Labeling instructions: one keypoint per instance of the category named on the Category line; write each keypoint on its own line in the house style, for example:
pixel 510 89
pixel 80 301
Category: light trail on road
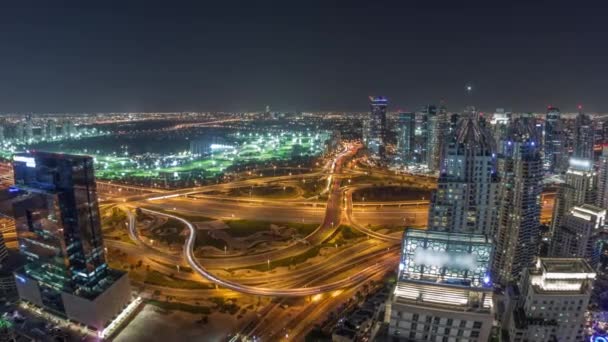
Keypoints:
pixel 262 291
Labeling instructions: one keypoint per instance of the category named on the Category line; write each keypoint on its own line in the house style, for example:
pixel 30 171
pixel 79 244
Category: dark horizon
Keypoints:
pixel 313 56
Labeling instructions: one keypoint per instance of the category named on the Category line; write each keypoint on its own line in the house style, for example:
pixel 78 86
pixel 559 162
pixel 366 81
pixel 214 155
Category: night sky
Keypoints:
pixel 300 55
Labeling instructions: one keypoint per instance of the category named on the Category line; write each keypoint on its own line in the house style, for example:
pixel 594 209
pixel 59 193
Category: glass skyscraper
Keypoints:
pixel 376 137
pixel 59 231
pixel 584 136
pixel 521 173
pixel 554 145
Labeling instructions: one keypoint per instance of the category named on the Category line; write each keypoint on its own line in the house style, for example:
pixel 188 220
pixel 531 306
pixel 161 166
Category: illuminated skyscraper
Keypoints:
pixel 576 235
pixel 59 231
pixel 584 136
pixel 555 153
pixel 500 125
pixel 551 301
pixel 466 196
pixel 431 138
pixel 579 188
pixel 443 291
pixel 376 139
pixel 405 139
pixel 521 173
pixel 601 199
pixel 1 134
pixel 443 130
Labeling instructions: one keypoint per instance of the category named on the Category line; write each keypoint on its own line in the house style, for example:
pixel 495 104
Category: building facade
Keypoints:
pixel 443 292
pixel 521 173
pixel 554 144
pixel 466 196
pixel 552 303
pixel 579 187
pixel 376 137
pixel 406 138
pixel 601 199
pixel 578 232
pixel 584 136
pixel 59 232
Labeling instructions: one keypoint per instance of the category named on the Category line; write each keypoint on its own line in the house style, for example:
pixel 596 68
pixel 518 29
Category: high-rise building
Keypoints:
pixel 551 301
pixel 377 127
pixel 601 199
pixel 59 232
pixel 466 196
pixel 406 139
pixel 431 138
pixel 555 153
pixel 576 235
pixel 521 172
pixel 500 124
pixel 443 130
pixel 579 188
pixel 443 291
pixel 1 134
pixel 584 136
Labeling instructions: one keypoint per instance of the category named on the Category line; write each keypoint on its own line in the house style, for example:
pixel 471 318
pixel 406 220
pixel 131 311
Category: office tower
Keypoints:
pixel 583 136
pixel 431 138
pixel 405 140
pixel 59 232
pixel 576 235
pixel 601 199
pixel 377 127
pixel 68 130
pixel 443 290
pixel 466 197
pixel 579 187
pixel 2 135
pixel 519 205
pixel 552 301
pixel 443 130
pixel 51 129
pixel 555 153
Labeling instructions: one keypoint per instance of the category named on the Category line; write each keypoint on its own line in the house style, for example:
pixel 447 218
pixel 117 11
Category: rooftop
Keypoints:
pixel 435 235
pixel 564 265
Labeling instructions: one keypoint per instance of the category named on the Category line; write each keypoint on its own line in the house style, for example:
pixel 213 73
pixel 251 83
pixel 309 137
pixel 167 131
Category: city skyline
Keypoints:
pixel 303 171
